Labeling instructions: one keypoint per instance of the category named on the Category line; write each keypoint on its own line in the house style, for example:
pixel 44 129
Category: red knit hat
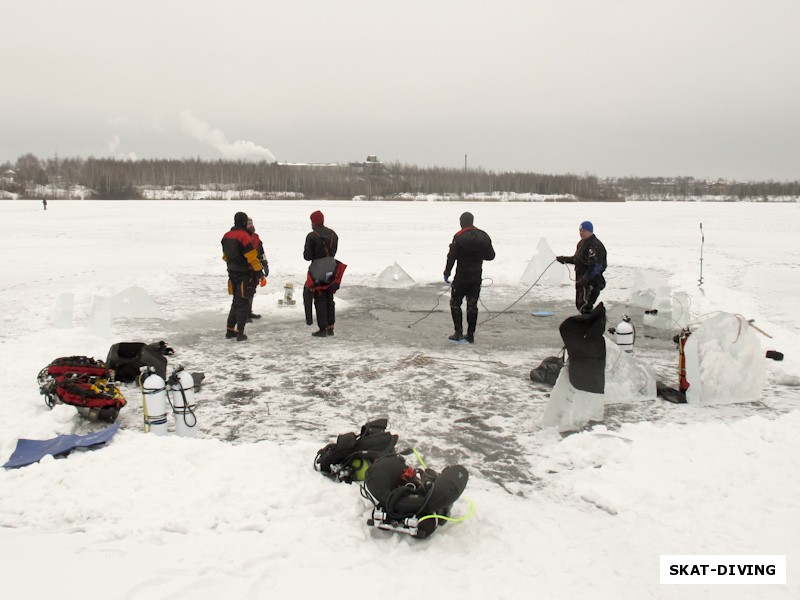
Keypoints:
pixel 317 218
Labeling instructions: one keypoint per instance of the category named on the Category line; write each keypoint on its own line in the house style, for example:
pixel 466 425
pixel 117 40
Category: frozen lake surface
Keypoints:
pixel 240 512
pixel 468 404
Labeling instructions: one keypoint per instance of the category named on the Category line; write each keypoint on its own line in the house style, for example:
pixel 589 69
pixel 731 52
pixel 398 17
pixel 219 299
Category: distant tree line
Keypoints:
pixel 112 178
pixel 676 188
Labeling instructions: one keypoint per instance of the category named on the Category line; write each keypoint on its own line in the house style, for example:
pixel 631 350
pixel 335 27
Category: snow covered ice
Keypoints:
pixel 239 512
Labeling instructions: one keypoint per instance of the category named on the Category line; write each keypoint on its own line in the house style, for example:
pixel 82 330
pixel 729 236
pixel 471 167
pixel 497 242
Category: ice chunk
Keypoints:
pixel 628 380
pixel 664 310
pixel 62 319
pixel 394 277
pixel 556 274
pixel 645 286
pixel 724 362
pixel 570 409
pixel 659 315
pixel 134 303
pixel 100 317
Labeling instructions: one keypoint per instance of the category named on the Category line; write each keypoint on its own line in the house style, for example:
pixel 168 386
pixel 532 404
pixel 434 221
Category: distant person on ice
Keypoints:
pixel 44 203
pixel 244 269
pixel 469 248
pixel 259 246
pixel 590 263
pixel 324 275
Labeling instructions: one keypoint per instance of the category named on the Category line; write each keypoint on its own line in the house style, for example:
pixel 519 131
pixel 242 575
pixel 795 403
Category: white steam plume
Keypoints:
pixel 240 149
pixel 113 144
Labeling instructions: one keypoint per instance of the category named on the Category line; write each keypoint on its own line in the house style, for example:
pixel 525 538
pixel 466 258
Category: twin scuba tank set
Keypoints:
pixel 178 392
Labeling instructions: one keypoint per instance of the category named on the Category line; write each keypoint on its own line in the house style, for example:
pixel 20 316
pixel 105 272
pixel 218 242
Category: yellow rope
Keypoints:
pixel 444 518
pixel 419 458
pixel 144 405
pixel 464 518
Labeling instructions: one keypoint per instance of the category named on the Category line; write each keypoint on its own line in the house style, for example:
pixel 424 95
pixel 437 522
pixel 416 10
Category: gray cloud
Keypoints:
pixel 616 88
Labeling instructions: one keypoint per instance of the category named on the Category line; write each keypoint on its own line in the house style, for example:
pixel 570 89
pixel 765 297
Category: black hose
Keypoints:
pixel 521 297
pixel 430 312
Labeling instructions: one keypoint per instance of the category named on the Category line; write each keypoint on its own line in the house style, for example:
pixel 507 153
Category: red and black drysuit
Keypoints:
pixel 321 242
pixel 590 262
pixel 469 248
pixel 259 246
pixel 244 272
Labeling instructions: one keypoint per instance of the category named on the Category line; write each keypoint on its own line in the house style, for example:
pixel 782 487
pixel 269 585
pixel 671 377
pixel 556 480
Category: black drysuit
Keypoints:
pixel 320 242
pixel 469 248
pixel 590 262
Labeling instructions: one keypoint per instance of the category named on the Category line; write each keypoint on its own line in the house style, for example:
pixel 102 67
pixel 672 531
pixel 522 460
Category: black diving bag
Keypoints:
pixel 322 270
pixel 548 370
pixel 126 359
pixel 351 455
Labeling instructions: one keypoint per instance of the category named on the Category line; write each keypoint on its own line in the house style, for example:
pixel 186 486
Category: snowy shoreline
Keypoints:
pixel 252 195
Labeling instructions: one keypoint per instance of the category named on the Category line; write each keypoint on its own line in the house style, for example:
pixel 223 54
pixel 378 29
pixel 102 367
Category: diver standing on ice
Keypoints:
pixel 257 279
pixel 243 268
pixel 469 248
pixel 324 274
pixel 590 262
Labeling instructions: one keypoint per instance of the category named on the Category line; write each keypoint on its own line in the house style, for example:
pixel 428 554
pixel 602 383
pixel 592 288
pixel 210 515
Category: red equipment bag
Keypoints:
pixel 82 382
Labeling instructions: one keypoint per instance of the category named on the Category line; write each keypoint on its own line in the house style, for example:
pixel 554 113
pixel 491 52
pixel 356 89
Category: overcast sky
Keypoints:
pixel 709 88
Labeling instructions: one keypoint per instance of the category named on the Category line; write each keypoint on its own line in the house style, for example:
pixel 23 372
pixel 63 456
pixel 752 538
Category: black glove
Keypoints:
pixel 266 269
pixel 561 259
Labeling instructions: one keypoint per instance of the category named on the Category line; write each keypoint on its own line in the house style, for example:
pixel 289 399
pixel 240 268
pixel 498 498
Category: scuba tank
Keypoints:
pixel 183 404
pixel 625 334
pixel 154 402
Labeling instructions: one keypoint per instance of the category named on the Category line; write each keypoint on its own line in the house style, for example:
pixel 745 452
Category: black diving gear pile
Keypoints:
pixel 407 500
pixel 348 458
